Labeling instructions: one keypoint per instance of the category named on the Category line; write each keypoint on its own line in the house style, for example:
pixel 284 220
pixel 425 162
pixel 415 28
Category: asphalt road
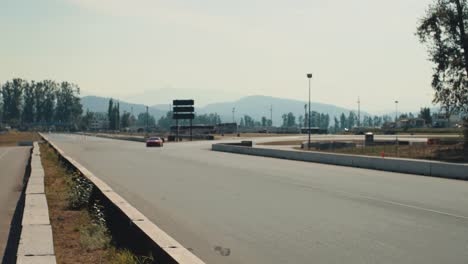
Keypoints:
pixel 264 210
pixel 13 162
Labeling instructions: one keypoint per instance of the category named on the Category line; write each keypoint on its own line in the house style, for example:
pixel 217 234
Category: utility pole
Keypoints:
pixel 396 123
pixel 309 76
pixel 396 112
pixel 305 115
pixel 359 112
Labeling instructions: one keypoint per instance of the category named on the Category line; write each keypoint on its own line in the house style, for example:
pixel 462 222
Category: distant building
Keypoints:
pixel 441 120
pixel 314 130
pixel 226 128
pixel 196 129
pixel 99 122
pixel 411 123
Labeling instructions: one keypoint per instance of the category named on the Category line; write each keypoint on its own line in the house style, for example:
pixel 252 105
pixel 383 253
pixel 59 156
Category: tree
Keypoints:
pixel 377 121
pixel 87 120
pixel 387 119
pixel 425 114
pixel 48 105
pixel 141 121
pixel 110 114
pixel 269 122
pixel 336 126
pixel 249 121
pixel 264 121
pixel 343 121
pixel 12 92
pixel 116 112
pixel 352 119
pixel 324 121
pixel 285 120
pixel 443 31
pixel 164 122
pixel 291 120
pixel 207 119
pixel 68 109
pixel 125 120
pixel 28 106
pixel 39 97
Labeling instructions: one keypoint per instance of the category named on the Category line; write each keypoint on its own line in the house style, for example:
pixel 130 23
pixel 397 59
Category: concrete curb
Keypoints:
pixel 36 242
pixel 173 251
pixel 420 167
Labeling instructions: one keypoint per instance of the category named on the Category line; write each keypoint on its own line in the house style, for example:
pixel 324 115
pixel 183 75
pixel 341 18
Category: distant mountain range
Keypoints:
pixel 101 104
pixel 255 106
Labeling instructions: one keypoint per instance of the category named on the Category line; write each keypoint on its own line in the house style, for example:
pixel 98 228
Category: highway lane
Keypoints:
pixel 13 162
pixel 279 211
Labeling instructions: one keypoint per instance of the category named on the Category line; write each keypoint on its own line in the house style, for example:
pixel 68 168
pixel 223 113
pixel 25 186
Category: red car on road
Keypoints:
pixel 154 142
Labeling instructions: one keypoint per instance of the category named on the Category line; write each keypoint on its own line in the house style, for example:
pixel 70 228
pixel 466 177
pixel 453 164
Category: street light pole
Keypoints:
pixel 309 76
pixel 396 112
pixel 396 123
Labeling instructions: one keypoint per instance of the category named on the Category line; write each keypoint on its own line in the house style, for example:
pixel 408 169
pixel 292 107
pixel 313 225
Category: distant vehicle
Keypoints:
pixel 154 142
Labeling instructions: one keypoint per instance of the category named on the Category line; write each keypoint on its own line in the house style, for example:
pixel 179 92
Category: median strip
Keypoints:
pixel 36 242
pixel 420 167
pixel 135 230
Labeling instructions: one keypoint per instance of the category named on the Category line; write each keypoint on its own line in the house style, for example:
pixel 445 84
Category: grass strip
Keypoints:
pixel 79 231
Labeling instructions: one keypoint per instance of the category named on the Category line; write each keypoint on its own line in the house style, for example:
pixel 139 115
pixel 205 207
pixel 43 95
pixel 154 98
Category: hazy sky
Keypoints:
pixel 224 49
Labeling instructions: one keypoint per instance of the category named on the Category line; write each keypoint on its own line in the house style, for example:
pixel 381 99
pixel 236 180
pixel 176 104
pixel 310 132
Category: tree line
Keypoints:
pixel 31 103
pixel 165 122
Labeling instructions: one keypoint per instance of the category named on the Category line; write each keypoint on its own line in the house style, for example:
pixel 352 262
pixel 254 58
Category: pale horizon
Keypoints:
pixel 221 51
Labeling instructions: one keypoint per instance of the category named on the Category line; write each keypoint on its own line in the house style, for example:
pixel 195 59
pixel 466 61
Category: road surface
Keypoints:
pixel 13 162
pixel 263 210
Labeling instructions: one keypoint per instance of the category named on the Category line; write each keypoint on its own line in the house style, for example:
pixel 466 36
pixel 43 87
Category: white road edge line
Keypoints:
pixel 4 153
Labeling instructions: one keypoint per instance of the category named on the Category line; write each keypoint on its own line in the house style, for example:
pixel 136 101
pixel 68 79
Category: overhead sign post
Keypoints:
pixel 183 110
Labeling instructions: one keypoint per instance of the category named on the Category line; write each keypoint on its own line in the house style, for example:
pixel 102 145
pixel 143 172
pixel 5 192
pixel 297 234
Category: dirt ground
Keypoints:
pixel 65 223
pixel 252 135
pixel 447 153
pixel 283 143
pixel 8 139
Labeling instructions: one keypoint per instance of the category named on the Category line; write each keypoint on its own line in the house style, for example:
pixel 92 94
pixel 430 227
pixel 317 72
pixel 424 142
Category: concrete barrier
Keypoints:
pixel 36 241
pixel 412 166
pixel 132 222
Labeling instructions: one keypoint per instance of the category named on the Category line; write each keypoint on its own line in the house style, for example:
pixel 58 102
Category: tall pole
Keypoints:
pixel 305 116
pixel 396 123
pixel 396 112
pixel 309 76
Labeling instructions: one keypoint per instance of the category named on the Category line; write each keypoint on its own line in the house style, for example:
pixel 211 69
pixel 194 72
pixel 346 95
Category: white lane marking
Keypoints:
pixel 4 153
pixel 352 195
pixel 420 208
pixel 404 205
